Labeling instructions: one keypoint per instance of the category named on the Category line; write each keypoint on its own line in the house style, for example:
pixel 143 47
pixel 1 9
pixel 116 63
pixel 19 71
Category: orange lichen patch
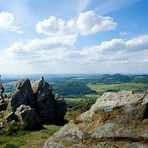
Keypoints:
pixel 76 120
pixel 92 126
pixel 66 143
pixel 141 129
pixel 110 115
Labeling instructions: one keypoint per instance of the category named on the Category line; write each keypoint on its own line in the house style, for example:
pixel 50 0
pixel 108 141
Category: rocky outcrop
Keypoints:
pixel 45 103
pixel 22 95
pixel 28 117
pixel 33 103
pixel 115 120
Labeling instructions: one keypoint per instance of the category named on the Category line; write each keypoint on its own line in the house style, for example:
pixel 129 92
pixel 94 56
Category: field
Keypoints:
pixel 135 87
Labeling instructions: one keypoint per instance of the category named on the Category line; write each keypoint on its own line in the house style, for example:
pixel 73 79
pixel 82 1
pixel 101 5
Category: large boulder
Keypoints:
pixel 22 95
pixel 38 95
pixel 45 103
pixel 28 118
pixel 115 120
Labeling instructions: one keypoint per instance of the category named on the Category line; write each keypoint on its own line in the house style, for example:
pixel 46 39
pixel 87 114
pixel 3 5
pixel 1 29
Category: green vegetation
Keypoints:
pixel 83 103
pixel 10 128
pixel 101 88
pixel 31 139
pixel 72 88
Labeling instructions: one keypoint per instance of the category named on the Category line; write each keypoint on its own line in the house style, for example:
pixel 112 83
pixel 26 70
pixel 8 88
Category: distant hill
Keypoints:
pixel 73 85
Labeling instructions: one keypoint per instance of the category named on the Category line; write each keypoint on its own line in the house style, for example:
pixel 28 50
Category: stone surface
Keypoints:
pixel 34 102
pixel 3 104
pixel 45 103
pixel 61 107
pixel 51 108
pixel 115 120
pixel 22 95
pixel 28 118
pixel 10 117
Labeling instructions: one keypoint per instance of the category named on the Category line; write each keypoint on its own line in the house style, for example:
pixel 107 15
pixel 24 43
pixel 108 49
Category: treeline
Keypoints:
pixel 72 88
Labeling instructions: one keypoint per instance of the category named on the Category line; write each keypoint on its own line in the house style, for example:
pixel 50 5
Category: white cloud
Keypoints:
pixel 6 19
pixel 118 50
pixel 7 22
pixel 86 23
pixel 138 43
pixel 90 23
pixel 50 50
pixel 60 55
pixel 54 26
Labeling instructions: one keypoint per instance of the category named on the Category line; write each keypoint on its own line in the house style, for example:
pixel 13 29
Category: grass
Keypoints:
pixel 33 139
pixel 72 114
pixel 135 87
pixel 25 139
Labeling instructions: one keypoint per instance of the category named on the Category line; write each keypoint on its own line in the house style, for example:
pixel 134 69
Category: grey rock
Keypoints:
pixel 115 120
pixel 22 95
pixel 28 118
pixel 60 107
pixel 38 95
pixel 3 104
pixel 45 104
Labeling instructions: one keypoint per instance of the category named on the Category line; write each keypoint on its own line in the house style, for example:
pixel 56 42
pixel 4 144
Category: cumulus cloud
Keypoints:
pixel 89 23
pixel 86 23
pixel 118 50
pixel 7 22
pixel 42 51
pixel 54 26
pixel 48 53
pixel 138 43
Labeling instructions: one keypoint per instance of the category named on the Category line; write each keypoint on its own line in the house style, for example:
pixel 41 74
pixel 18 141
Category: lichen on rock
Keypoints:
pixel 115 120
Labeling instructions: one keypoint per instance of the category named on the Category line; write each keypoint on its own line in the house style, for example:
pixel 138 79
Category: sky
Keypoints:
pixel 73 36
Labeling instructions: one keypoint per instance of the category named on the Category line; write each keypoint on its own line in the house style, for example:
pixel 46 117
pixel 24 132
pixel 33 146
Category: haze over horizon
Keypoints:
pixel 73 36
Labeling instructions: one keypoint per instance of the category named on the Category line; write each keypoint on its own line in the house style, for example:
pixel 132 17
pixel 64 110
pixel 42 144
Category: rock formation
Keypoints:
pixel 3 105
pixel 45 102
pixel 28 117
pixel 22 95
pixel 33 103
pixel 116 120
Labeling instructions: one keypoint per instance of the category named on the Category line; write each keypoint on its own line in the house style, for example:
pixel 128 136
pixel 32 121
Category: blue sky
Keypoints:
pixel 73 36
